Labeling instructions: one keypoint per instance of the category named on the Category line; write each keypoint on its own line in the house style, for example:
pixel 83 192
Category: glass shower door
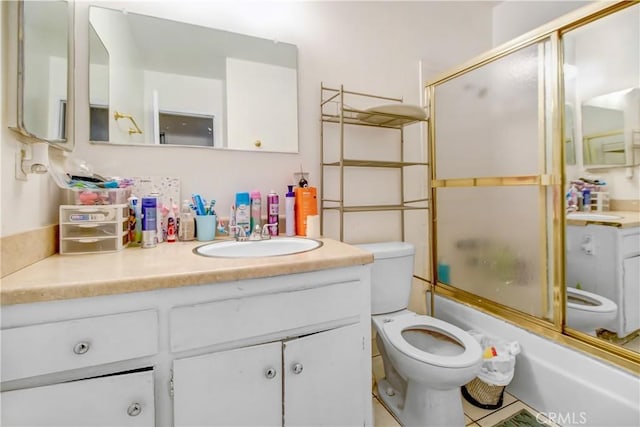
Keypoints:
pixel 491 174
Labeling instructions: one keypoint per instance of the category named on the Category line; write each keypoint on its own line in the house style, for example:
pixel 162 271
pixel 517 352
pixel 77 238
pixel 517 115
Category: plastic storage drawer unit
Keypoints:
pixel 89 229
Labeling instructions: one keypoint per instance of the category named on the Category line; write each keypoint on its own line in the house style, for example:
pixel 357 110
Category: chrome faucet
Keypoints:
pixel 257 234
pixel 241 235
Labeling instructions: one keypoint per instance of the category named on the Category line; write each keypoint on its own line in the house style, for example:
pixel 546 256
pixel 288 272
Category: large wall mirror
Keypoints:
pixel 603 85
pixel 43 69
pixel 161 82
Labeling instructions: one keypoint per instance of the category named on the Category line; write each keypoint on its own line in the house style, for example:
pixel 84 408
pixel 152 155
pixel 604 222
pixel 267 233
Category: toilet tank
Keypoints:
pixel 391 275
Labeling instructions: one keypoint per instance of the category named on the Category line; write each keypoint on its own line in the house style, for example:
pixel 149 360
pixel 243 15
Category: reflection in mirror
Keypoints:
pixel 44 57
pixel 604 132
pixel 601 269
pixel 183 84
pixel 99 91
pixel 569 140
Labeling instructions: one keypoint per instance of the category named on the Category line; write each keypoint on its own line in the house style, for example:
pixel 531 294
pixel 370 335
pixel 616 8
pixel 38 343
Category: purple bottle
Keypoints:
pixel 273 210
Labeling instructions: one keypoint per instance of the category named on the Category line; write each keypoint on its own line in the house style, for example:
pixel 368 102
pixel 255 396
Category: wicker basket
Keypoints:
pixel 483 395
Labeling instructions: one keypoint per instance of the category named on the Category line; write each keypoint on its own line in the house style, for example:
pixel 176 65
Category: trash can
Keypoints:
pixel 486 391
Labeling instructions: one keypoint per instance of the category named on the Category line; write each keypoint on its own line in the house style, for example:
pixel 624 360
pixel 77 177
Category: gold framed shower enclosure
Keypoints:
pixel 497 184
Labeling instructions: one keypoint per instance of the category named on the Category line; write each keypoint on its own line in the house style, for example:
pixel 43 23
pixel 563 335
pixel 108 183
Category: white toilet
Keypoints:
pixel 426 360
pixel 587 311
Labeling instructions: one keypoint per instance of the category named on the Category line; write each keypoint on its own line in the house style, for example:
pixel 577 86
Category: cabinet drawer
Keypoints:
pixel 236 319
pixel 93 244
pixel 116 400
pixel 51 347
pixel 631 245
pixel 83 214
pixel 91 229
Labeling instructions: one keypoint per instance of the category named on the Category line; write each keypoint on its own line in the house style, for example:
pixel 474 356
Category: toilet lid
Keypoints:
pixel 592 303
pixel 471 352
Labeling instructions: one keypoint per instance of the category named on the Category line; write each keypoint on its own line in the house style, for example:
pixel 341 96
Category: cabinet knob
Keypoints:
pixel 270 373
pixel 81 347
pixel 297 368
pixel 258 143
pixel 134 409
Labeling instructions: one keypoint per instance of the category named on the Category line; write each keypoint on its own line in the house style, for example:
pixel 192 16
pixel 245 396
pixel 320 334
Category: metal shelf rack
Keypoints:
pixel 344 114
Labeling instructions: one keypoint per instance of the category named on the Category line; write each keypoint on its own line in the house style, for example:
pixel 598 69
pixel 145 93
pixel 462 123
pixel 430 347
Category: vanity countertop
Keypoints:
pixel 629 219
pixel 168 265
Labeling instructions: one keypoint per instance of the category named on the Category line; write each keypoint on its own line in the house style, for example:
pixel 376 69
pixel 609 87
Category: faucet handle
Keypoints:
pixel 241 234
pixel 265 230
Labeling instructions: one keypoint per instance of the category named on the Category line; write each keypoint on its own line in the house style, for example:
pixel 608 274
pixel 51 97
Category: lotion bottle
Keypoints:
pixel 290 218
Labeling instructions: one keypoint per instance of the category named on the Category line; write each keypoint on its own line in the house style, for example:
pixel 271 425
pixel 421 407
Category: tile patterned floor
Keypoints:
pixel 474 416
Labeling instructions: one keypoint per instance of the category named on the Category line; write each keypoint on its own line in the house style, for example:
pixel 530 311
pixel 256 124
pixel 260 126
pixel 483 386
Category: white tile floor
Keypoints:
pixel 474 416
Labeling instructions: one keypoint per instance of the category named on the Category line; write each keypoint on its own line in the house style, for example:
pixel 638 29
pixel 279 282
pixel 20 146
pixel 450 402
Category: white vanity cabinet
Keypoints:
pixel 283 350
pixel 605 260
pixel 312 380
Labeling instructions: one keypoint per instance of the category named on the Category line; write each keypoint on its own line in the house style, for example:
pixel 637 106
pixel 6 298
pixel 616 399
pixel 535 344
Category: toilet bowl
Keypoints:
pixel 587 311
pixel 426 360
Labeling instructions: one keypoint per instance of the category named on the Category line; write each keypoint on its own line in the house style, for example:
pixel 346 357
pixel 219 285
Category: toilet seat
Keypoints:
pixel 600 303
pixel 393 330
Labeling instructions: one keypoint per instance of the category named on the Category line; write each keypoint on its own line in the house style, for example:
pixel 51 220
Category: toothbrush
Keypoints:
pixel 197 200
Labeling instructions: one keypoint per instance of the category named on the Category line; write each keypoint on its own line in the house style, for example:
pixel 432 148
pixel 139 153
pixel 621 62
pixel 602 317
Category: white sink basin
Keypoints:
pixel 588 216
pixel 261 248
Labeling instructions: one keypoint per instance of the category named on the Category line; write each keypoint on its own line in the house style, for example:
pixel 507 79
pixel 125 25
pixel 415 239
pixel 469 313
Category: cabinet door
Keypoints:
pixel 324 379
pixel 117 400
pixel 630 295
pixel 234 387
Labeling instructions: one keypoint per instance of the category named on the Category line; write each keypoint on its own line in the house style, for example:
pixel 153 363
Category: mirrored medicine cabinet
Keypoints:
pixel 44 68
pixel 155 81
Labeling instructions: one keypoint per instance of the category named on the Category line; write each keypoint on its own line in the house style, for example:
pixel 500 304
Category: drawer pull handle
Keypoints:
pixel 297 368
pixel 134 409
pixel 81 348
pixel 270 373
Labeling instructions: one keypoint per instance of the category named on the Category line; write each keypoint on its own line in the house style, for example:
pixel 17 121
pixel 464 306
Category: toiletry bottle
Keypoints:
pixel 171 223
pixel 306 204
pixel 586 200
pixel 232 221
pixel 134 221
pixel 243 212
pixel 289 211
pixel 187 228
pixel 256 210
pixel 149 222
pixel 273 212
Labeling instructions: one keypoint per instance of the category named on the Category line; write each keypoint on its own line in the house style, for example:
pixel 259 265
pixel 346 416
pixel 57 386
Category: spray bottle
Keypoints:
pixel 273 212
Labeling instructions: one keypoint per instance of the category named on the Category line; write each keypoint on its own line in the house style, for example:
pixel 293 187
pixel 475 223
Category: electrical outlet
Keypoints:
pixel 20 154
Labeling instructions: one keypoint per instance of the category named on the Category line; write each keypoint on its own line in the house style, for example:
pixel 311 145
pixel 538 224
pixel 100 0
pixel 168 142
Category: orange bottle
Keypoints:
pixel 306 204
